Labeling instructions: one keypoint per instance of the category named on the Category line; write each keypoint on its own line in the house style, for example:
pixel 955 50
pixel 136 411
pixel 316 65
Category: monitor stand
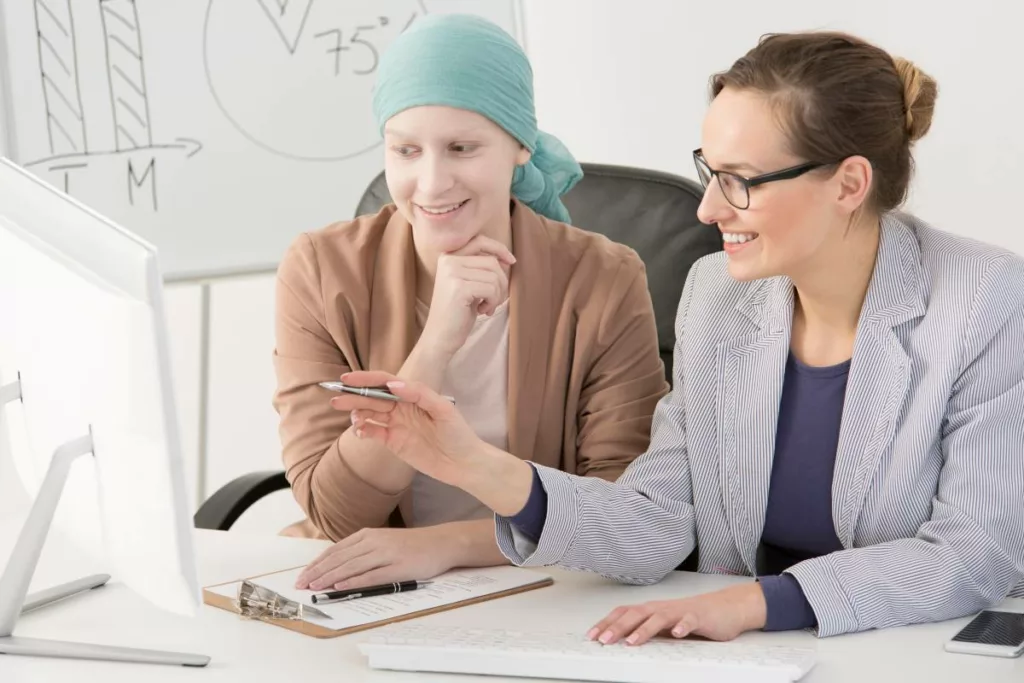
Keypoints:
pixel 14 598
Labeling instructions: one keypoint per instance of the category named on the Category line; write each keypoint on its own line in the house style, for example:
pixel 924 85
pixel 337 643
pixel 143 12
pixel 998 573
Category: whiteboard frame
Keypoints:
pixel 519 19
pixel 7 138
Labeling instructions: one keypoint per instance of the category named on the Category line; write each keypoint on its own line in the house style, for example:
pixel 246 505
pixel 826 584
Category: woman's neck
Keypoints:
pixel 830 295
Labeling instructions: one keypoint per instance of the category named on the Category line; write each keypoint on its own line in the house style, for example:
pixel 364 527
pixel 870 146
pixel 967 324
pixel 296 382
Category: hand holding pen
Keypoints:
pixel 422 428
pixel 369 392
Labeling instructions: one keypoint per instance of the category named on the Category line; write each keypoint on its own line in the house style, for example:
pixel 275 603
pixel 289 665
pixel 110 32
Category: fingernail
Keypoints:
pixel 341 585
pixel 395 385
pixel 359 433
pixel 632 639
pixel 606 637
pixel 591 634
pixel 354 415
pixel 677 632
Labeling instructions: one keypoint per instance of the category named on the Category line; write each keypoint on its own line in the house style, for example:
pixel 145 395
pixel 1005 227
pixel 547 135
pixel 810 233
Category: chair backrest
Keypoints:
pixel 654 213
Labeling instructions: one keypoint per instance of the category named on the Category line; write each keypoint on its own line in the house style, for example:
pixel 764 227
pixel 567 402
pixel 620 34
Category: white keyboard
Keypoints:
pixel 414 647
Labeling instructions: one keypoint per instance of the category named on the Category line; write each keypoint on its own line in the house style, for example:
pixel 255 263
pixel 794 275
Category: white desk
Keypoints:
pixel 256 652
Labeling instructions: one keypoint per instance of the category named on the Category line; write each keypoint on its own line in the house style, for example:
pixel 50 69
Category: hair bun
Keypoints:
pixel 919 93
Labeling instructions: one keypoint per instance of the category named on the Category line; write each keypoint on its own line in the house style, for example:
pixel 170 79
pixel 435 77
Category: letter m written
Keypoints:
pixel 136 183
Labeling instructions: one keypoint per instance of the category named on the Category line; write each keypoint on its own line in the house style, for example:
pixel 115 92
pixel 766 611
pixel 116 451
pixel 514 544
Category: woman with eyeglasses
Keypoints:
pixel 847 418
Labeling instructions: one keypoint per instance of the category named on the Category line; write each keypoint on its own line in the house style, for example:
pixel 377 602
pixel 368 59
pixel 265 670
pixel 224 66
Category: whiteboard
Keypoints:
pixel 216 129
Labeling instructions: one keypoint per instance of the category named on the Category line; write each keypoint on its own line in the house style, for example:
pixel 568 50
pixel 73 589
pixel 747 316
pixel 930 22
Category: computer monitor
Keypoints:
pixel 85 365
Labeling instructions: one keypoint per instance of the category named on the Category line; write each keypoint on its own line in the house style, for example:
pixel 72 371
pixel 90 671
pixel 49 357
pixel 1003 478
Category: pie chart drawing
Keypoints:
pixel 295 77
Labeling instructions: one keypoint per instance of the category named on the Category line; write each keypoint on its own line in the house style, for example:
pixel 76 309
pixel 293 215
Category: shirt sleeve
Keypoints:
pixel 530 520
pixel 788 608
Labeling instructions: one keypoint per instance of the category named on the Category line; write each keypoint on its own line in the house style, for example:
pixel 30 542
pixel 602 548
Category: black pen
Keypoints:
pixel 368 592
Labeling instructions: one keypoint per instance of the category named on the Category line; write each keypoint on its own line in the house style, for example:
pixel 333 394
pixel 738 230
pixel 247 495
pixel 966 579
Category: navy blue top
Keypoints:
pixel 798 519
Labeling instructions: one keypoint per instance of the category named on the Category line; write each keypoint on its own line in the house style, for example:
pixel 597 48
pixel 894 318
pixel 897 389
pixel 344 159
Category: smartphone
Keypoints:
pixel 991 632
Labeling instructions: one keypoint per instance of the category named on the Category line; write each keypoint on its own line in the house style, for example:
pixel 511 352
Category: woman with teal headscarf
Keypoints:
pixel 473 282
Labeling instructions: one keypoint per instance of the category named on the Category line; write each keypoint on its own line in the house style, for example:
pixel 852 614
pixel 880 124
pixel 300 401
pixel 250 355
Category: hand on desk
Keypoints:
pixel 374 556
pixel 721 615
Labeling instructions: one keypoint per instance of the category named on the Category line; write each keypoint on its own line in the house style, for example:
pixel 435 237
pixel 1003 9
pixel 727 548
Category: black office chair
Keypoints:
pixel 654 213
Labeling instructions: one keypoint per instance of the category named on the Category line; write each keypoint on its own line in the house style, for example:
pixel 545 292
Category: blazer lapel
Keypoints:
pixel 529 328
pixel 751 370
pixel 879 372
pixel 393 326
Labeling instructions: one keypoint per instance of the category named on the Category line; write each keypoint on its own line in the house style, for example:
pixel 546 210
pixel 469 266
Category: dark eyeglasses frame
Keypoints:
pixel 783 174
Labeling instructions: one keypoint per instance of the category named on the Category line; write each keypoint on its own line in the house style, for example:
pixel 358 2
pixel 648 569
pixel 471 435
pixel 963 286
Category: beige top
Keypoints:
pixel 584 373
pixel 477 378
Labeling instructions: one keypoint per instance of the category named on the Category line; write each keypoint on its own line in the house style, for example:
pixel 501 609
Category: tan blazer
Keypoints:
pixel 584 369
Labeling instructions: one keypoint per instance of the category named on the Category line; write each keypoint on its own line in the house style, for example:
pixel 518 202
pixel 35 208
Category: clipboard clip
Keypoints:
pixel 257 602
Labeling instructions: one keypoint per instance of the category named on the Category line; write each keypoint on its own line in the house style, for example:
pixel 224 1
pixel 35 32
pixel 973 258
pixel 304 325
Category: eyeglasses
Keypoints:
pixel 736 188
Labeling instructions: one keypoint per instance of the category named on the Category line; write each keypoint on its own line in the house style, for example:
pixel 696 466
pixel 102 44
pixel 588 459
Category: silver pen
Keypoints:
pixel 370 392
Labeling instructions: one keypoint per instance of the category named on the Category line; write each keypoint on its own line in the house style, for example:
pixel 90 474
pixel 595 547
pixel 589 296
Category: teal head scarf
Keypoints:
pixel 469 63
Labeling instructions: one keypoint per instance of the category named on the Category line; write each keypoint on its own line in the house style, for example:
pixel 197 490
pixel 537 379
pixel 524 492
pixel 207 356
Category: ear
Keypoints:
pixel 523 156
pixel 854 176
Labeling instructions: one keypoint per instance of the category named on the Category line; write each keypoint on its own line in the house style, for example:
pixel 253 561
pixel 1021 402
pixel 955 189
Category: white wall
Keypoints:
pixel 242 425
pixel 630 86
pixel 13 499
pixel 625 82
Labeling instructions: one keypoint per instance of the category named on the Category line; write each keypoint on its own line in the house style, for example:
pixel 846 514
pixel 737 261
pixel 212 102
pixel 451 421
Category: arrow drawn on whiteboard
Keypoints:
pixel 289 19
pixel 193 146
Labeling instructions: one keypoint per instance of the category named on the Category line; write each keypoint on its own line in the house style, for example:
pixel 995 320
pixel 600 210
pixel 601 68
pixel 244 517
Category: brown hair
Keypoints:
pixel 839 96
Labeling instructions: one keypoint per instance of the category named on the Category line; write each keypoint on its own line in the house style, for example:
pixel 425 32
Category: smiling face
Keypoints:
pixel 791 226
pixel 449 172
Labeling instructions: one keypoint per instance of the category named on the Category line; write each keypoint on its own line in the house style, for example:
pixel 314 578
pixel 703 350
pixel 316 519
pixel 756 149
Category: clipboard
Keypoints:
pixel 316 630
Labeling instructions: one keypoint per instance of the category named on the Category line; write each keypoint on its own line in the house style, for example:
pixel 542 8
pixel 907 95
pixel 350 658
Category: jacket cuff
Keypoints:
pixel 560 524
pixel 826 596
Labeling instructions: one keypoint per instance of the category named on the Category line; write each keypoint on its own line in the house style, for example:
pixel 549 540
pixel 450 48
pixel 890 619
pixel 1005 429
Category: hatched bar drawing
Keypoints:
pixel 130 157
pixel 58 68
pixel 126 74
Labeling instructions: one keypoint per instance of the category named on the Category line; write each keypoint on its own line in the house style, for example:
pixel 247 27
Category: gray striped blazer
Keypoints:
pixel 928 490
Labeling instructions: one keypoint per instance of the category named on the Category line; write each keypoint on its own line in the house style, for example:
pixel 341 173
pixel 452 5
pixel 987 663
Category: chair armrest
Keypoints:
pixel 227 504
